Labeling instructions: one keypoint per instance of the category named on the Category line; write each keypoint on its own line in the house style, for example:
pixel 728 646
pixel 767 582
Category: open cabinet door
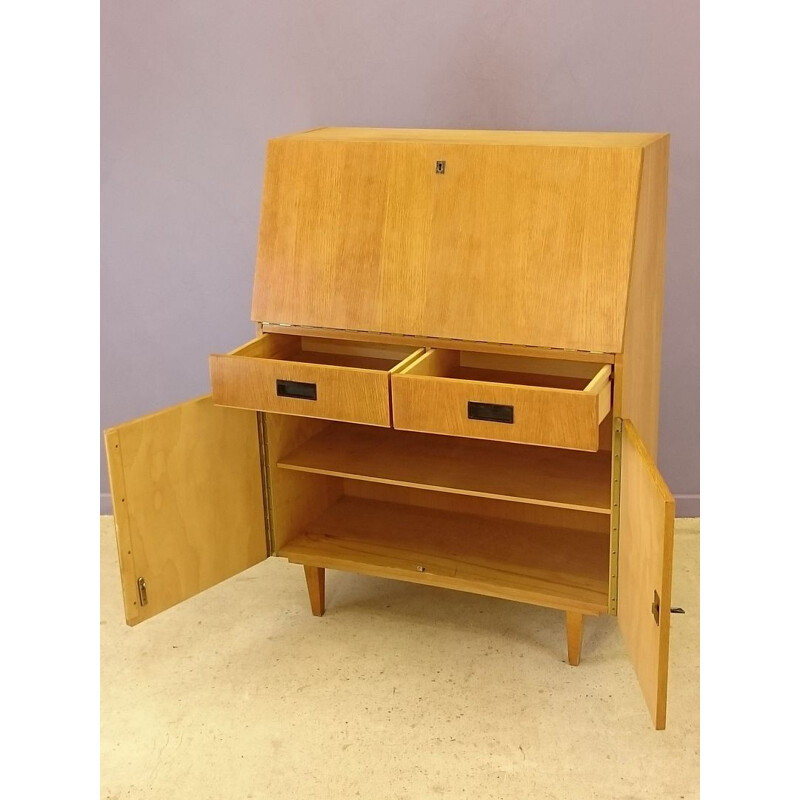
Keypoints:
pixel 647 519
pixel 188 502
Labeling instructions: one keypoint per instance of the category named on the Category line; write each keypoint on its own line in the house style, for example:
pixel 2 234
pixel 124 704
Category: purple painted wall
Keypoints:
pixel 192 89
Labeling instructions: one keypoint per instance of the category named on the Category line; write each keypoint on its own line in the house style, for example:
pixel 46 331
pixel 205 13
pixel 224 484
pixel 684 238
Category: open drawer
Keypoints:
pixel 508 398
pixel 310 377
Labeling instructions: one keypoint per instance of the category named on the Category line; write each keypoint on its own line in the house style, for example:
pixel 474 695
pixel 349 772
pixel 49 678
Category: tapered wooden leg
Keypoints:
pixel 574 637
pixel 315 580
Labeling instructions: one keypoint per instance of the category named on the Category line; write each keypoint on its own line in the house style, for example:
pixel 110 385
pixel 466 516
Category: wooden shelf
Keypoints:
pixel 555 567
pixel 498 470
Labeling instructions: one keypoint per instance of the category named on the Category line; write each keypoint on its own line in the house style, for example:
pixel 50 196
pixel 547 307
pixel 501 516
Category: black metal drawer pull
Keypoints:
pixel 490 412
pixel 296 389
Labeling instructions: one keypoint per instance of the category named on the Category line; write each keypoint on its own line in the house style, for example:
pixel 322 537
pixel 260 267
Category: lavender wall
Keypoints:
pixel 192 89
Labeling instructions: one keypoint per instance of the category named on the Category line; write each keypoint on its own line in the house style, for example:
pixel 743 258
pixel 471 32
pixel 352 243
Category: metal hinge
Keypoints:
pixel 265 488
pixel 142 587
pixel 616 474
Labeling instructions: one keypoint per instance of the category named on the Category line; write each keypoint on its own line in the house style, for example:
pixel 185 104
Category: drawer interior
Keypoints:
pixel 515 370
pixel 330 352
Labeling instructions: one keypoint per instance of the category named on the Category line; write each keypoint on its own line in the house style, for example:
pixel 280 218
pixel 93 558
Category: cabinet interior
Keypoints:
pixel 522 522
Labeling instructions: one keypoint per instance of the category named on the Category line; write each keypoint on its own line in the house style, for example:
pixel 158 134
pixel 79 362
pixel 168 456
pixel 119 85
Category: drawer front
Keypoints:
pixel 288 374
pixel 525 414
pixel 309 390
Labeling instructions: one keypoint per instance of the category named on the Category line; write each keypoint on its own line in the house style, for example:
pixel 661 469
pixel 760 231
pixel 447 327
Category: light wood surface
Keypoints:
pixel 525 138
pixel 543 368
pixel 532 266
pixel 539 475
pixel 188 506
pixel 606 432
pixel 547 516
pixel 639 377
pixel 315 580
pixel 122 526
pixel 558 568
pixel 364 235
pixel 443 343
pixel 647 517
pixel 433 393
pixel 295 497
pixel 351 379
pixel 574 637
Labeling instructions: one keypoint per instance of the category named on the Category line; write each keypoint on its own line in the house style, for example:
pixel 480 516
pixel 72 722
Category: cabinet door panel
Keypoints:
pixel 188 502
pixel 647 518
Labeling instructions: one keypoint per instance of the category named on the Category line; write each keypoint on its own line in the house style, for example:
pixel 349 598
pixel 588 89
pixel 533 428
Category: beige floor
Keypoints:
pixel 399 691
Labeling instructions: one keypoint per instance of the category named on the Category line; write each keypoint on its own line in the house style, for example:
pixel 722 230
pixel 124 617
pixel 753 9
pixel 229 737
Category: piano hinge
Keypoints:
pixel 263 455
pixel 616 472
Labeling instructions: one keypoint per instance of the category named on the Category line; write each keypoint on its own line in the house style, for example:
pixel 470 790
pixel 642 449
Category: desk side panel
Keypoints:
pixel 639 366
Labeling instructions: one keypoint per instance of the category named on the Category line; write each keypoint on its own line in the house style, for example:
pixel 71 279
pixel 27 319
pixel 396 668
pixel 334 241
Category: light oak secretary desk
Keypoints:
pixel 455 382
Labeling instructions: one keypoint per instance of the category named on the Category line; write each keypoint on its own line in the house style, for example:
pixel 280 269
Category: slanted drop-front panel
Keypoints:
pixel 515 244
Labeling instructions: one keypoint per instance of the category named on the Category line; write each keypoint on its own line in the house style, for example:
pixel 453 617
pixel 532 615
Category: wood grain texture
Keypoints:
pixel 315 581
pixel 647 517
pixel 443 343
pixel 296 498
pixel 351 379
pixel 122 526
pixel 432 395
pixel 546 516
pixel 525 138
pixel 188 505
pixel 538 475
pixel 574 637
pixel 372 213
pixel 639 376
pixel 555 568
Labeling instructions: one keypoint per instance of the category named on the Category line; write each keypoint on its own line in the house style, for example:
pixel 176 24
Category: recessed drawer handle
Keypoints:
pixel 490 412
pixel 296 389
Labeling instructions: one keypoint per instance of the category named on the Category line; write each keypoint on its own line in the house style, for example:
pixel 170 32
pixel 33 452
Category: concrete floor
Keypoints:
pixel 399 691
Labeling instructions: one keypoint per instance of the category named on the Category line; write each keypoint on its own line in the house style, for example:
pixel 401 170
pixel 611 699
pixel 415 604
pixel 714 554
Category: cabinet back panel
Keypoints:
pixel 501 509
